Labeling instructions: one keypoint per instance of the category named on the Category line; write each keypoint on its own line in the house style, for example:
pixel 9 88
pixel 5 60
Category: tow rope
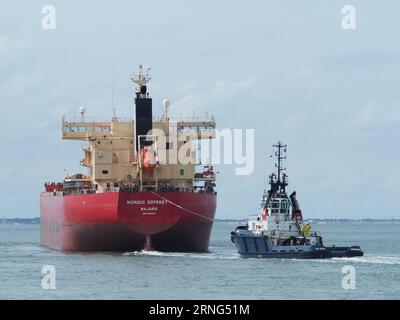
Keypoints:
pixel 180 207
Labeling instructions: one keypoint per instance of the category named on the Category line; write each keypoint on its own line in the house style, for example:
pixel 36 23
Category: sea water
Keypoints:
pixel 219 274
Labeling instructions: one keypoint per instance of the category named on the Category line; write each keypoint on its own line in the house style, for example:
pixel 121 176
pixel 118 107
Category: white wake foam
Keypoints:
pixel 182 255
pixel 387 260
pixel 372 259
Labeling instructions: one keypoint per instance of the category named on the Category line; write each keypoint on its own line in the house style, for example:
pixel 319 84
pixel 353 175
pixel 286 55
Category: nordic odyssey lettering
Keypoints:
pixel 156 202
pixel 144 202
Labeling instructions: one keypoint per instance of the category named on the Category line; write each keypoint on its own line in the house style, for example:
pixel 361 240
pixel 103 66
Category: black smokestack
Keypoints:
pixel 144 115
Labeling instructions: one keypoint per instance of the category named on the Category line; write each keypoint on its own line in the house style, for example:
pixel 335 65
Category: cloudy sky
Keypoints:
pixel 286 69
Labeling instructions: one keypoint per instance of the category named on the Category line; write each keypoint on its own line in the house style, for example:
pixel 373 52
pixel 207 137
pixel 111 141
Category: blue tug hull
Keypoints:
pixel 260 247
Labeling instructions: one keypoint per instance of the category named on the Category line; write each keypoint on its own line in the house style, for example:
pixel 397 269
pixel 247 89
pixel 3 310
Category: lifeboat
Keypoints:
pixel 148 159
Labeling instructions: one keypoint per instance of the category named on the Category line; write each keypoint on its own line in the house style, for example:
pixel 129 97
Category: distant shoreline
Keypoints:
pixel 36 220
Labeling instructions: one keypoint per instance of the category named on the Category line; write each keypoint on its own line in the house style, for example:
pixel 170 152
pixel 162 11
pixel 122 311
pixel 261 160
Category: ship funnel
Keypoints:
pixel 143 107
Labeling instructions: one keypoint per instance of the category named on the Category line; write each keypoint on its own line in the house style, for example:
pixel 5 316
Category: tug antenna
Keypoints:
pixel 281 155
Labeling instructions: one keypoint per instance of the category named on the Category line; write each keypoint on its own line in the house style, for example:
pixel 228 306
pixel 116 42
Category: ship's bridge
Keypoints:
pixel 85 129
pixel 279 205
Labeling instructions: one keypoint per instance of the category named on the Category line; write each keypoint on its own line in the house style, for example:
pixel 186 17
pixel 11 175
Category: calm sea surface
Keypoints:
pixel 220 274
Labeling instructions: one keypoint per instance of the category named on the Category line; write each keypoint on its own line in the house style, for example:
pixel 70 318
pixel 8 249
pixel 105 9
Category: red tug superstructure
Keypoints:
pixel 138 194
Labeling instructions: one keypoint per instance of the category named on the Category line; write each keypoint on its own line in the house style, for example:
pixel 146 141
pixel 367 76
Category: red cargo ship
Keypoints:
pixel 137 194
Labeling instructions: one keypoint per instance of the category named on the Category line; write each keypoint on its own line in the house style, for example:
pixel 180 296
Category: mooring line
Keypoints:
pixel 180 207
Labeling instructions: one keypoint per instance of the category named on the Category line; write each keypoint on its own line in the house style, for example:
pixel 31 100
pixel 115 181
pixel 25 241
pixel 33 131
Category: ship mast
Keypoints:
pixel 279 182
pixel 141 79
pixel 281 155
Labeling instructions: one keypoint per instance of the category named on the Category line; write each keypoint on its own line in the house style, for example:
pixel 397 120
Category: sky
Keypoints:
pixel 286 69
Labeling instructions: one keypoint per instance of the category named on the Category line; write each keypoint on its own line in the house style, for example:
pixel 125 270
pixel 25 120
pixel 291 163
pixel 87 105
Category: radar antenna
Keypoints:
pixel 278 181
pixel 141 79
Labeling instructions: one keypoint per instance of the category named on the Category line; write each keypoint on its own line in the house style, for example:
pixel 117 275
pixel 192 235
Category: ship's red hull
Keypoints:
pixel 120 221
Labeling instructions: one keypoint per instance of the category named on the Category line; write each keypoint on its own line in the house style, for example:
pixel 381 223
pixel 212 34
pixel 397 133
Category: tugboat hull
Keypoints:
pixel 345 252
pixel 259 247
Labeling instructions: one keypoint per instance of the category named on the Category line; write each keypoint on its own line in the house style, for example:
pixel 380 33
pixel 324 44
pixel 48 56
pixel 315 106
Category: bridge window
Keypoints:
pixel 70 129
pixel 75 129
pixel 102 129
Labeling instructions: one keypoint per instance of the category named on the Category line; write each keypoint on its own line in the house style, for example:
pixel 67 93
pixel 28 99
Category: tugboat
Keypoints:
pixel 279 231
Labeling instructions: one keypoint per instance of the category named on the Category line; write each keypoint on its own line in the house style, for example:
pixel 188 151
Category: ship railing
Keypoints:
pixel 195 119
pixel 204 177
pixel 118 189
pixel 53 193
pixel 197 134
pixel 75 118
pixel 85 119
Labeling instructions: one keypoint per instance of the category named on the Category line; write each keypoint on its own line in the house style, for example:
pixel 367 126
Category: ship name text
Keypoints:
pixel 142 202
